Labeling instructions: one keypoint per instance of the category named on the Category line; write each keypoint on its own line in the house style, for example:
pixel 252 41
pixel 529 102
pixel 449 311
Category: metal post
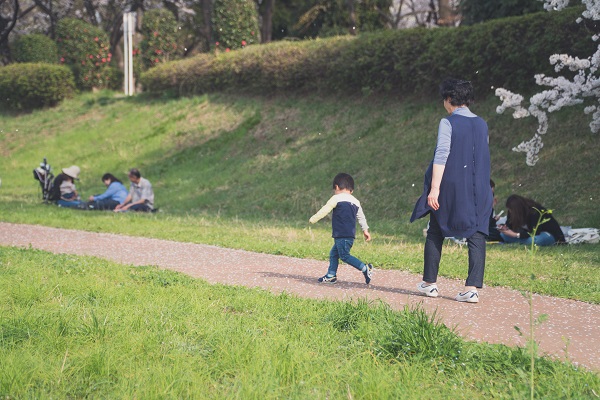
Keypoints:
pixel 131 29
pixel 128 28
pixel 126 54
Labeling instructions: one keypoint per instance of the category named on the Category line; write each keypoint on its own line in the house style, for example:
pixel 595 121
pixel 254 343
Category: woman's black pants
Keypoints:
pixel 433 255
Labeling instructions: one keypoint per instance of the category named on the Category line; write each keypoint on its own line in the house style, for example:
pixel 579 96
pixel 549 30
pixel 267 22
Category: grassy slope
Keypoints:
pixel 247 172
pixel 82 327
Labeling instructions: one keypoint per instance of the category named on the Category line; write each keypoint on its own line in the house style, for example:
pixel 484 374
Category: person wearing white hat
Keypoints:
pixel 68 192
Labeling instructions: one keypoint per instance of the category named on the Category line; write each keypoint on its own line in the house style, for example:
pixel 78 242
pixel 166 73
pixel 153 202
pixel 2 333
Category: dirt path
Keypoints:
pixel 491 320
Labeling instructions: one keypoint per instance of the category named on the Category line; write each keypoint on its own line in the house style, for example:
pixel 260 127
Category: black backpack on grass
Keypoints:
pixel 54 193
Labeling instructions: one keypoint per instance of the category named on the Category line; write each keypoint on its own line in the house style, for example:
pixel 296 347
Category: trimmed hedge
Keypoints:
pixel 506 52
pixel 29 86
pixel 34 48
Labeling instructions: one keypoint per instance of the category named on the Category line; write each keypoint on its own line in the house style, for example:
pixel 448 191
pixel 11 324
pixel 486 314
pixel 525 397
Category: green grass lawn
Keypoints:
pixel 247 172
pixel 83 327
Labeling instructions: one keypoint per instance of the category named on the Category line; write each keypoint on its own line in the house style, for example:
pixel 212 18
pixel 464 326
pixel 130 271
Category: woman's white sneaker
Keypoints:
pixel 468 297
pixel 428 290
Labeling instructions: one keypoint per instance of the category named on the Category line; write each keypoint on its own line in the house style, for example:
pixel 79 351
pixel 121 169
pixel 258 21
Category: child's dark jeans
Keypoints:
pixel 341 251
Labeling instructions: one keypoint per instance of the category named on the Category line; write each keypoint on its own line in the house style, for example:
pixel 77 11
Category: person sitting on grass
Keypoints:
pixel 141 195
pixel 522 217
pixel 115 194
pixel 346 210
pixel 64 183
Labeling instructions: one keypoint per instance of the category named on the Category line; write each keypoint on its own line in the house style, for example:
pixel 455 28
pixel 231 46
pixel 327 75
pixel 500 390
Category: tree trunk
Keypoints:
pixel 173 8
pixel 7 24
pixel 266 29
pixel 115 36
pixel 432 15
pixel 49 10
pixel 206 14
pixel 91 11
pixel 352 15
pixel 446 14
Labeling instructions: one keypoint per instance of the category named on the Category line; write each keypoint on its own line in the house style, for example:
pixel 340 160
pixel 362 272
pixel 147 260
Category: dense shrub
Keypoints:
pixel 235 24
pixel 160 32
pixel 29 86
pixel 85 49
pixel 504 52
pixel 34 48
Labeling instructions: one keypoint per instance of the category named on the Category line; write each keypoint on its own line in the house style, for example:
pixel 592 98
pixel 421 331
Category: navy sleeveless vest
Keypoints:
pixel 465 193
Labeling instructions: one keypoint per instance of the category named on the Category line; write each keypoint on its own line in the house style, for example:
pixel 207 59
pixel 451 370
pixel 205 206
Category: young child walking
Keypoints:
pixel 346 210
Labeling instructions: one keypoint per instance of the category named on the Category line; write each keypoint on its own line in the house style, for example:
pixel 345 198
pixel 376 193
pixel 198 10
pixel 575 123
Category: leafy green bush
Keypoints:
pixel 85 49
pixel 34 48
pixel 235 24
pixel 29 86
pixel 160 32
pixel 505 52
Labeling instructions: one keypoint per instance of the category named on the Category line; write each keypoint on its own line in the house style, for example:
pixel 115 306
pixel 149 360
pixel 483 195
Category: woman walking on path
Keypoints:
pixel 457 193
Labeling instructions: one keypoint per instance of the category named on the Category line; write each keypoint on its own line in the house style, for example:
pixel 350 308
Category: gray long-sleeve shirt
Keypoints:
pixel 442 149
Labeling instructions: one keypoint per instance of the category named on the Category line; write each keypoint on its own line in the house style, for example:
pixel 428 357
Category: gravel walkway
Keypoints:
pixel 491 320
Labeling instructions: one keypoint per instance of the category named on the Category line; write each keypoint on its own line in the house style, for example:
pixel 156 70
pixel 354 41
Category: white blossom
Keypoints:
pixel 562 91
pixel 595 124
pixel 531 148
pixel 561 61
pixel 555 5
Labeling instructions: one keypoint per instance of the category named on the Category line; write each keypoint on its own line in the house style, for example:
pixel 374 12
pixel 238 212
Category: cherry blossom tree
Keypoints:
pixel 583 88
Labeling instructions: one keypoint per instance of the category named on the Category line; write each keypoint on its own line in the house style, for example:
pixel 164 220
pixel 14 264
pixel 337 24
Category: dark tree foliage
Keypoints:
pixel 475 11
pixel 312 18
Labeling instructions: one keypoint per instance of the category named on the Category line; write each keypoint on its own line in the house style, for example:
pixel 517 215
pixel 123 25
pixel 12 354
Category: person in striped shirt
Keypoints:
pixel 346 211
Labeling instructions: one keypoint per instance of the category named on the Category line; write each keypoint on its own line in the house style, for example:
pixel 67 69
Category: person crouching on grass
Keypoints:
pixel 346 210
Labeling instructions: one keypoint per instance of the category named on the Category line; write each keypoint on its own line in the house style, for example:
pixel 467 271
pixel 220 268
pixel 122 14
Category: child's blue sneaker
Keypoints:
pixel 368 273
pixel 328 279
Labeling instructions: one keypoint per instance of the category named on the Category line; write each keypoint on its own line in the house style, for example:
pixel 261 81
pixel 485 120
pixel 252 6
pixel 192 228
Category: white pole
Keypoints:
pixel 131 26
pixel 126 54
pixel 128 27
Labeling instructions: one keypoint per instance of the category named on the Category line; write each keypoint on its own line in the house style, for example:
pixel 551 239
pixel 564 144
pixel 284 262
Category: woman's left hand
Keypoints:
pixel 432 199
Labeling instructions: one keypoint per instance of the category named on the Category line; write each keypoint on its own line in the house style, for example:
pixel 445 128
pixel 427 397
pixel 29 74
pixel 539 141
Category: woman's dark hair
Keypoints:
pixel 343 181
pixel 458 91
pixel 518 209
pixel 111 177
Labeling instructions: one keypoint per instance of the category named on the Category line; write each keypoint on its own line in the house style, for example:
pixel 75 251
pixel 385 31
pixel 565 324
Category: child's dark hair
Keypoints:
pixel 492 184
pixel 343 181
pixel 110 177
